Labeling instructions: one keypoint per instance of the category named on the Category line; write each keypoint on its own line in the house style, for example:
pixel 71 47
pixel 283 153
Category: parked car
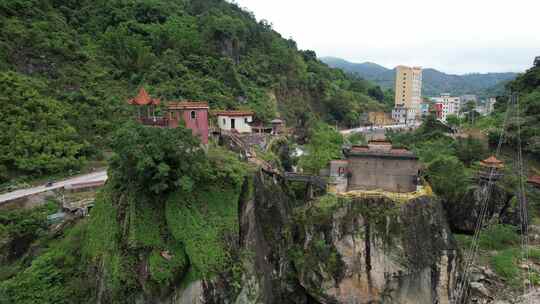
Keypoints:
pixel 49 184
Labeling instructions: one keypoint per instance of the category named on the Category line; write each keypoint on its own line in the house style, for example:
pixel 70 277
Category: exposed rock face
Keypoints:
pixel 371 250
pixel 380 251
pixel 464 214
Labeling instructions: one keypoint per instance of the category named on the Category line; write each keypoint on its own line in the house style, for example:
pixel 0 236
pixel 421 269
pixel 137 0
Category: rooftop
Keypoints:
pixel 492 162
pixel 187 105
pixel 234 113
pixel 143 99
pixel 373 150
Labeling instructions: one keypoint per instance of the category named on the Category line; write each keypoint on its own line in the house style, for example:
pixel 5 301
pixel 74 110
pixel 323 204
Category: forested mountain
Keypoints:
pixel 526 87
pixel 67 68
pixel 435 82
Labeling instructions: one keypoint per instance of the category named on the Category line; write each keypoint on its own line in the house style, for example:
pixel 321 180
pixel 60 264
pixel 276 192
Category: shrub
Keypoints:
pixel 504 264
pixel 498 237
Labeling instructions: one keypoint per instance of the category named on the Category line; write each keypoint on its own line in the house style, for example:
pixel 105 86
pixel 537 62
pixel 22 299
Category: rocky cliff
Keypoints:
pixel 337 250
pixel 500 204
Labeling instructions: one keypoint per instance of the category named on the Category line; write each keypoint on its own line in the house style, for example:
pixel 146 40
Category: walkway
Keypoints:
pixel 91 177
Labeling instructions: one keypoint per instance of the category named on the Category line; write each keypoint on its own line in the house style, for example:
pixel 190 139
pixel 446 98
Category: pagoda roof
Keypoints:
pixel 187 105
pixel 234 113
pixel 492 162
pixel 143 99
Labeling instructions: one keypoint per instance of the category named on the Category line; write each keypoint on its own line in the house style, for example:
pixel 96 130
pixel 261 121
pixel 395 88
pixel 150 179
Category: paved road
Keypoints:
pixel 378 128
pixel 91 177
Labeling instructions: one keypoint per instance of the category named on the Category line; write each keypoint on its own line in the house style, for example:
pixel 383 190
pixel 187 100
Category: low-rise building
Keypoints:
pixel 235 120
pixel 380 166
pixel 448 105
pixel 403 115
pixel 194 115
pixel 380 118
pixel 424 109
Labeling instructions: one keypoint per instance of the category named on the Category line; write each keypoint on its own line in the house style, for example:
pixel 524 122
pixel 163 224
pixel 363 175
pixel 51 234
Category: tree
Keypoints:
pixel 447 177
pixel 324 144
pixel 376 93
pixel 453 121
pixel 470 150
pixel 160 159
pixel 35 136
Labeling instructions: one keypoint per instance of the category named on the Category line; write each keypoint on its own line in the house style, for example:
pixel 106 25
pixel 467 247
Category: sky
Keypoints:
pixel 453 36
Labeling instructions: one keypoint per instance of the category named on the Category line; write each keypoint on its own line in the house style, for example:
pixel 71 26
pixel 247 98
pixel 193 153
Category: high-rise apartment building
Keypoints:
pixel 409 87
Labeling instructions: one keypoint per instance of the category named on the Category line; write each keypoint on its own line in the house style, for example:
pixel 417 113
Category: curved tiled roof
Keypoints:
pixel 493 162
pixel 144 99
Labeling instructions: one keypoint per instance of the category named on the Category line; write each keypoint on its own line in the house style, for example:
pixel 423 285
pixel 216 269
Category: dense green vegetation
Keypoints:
pixel 447 161
pixel 167 207
pixel 67 68
pixel 324 144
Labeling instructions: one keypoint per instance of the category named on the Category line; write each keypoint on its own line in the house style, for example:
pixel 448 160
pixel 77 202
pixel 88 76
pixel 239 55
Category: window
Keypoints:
pixel 246 120
pixel 224 121
pixel 193 115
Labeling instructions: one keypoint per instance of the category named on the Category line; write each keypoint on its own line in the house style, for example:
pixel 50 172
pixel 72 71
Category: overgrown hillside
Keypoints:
pixel 67 67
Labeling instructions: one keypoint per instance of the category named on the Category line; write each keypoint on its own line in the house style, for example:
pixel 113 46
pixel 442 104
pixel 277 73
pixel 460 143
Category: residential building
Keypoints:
pixel 235 120
pixel 403 115
pixel 380 118
pixel 193 114
pixel 438 107
pixel 424 109
pixel 380 166
pixel 486 107
pixel 447 105
pixel 408 87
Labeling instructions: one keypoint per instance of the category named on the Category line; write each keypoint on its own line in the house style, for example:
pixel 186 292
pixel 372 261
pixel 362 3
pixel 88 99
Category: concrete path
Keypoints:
pixel 91 177
pixel 379 128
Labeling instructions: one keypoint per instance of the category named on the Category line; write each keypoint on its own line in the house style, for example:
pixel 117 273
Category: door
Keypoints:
pixel 233 123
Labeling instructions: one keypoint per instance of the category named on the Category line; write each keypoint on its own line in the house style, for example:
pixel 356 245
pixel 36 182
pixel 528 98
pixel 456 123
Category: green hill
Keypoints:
pixel 67 67
pixel 434 82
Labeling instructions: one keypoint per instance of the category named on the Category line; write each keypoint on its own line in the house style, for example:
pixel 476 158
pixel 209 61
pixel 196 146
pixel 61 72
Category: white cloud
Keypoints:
pixel 458 36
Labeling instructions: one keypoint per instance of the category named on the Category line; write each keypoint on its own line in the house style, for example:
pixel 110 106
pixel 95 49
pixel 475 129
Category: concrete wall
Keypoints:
pixel 389 174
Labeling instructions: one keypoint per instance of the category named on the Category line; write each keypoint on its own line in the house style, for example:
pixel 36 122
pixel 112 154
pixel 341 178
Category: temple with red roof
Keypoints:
pixel 492 162
pixel 193 114
pixel 491 169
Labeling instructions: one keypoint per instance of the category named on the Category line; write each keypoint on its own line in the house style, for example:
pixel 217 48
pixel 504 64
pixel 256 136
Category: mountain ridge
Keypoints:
pixel 435 81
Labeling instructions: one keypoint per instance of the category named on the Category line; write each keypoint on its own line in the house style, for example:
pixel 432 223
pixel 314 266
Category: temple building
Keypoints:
pixel 193 114
pixel 491 169
pixel 146 109
pixel 376 166
pixel 235 120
